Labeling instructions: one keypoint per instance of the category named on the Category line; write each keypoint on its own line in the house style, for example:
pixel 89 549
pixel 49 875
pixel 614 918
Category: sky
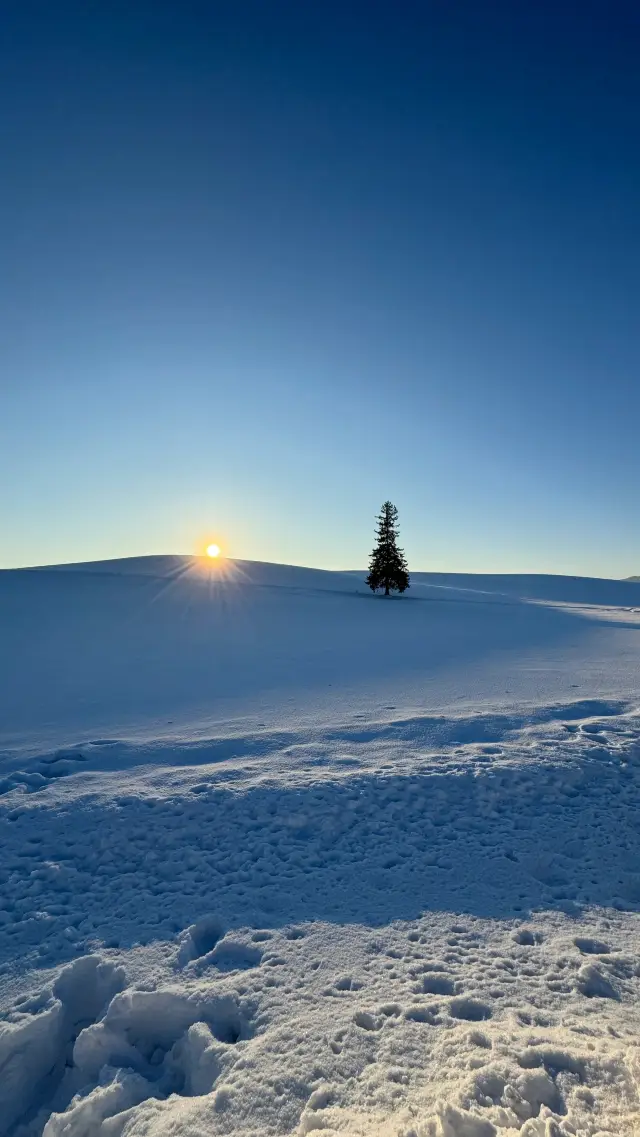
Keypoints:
pixel 267 264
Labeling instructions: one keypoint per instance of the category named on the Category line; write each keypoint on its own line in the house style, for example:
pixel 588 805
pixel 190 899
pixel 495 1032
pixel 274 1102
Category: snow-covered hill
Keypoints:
pixel 147 644
pixel 279 855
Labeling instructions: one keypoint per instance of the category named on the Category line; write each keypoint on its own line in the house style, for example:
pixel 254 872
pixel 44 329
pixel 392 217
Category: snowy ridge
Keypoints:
pixel 411 916
pixel 527 586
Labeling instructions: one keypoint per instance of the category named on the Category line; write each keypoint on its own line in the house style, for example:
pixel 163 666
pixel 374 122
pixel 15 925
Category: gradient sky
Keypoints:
pixel 264 265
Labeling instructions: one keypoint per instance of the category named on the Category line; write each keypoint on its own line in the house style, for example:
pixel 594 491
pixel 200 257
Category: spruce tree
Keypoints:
pixel 388 567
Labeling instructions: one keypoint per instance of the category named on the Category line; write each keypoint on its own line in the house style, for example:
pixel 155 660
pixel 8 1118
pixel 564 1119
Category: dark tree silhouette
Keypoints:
pixel 388 567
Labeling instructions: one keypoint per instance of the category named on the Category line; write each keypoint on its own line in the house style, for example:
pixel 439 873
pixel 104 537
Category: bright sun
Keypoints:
pixel 213 550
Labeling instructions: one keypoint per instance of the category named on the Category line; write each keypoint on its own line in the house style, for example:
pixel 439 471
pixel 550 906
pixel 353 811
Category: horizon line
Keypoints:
pixel 310 568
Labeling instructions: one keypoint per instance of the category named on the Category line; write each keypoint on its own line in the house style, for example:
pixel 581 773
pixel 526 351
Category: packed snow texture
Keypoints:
pixel 280 856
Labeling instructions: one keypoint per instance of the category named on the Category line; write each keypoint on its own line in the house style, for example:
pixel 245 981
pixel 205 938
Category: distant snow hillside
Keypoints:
pixel 197 569
pixel 555 589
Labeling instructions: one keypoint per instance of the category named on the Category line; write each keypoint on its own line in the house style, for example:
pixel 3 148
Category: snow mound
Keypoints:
pixel 80 1053
pixel 36 1040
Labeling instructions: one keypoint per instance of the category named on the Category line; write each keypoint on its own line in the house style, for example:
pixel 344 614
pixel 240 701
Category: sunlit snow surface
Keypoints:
pixel 278 855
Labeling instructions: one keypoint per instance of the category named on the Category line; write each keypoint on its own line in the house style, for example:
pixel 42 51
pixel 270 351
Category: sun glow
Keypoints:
pixel 211 562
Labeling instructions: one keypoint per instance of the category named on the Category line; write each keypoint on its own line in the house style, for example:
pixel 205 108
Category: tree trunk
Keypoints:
pixel 386 592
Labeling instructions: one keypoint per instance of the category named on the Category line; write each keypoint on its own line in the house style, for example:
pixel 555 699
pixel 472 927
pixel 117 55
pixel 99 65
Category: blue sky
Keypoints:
pixel 265 265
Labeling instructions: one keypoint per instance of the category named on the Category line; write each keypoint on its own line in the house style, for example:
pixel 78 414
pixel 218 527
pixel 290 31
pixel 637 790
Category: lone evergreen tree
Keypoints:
pixel 388 567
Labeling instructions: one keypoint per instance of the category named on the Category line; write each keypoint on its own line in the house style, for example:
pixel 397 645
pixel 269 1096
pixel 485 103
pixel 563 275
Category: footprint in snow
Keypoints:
pixel 470 1010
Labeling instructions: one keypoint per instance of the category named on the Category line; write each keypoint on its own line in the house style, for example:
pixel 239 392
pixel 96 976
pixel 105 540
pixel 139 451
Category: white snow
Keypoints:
pixel 279 856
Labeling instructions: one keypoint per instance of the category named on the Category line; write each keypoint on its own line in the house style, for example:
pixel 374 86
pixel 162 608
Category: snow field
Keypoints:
pixel 426 926
pixel 112 654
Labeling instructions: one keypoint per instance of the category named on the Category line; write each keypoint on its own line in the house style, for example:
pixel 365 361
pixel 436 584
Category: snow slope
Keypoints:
pixel 152 643
pixel 278 855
